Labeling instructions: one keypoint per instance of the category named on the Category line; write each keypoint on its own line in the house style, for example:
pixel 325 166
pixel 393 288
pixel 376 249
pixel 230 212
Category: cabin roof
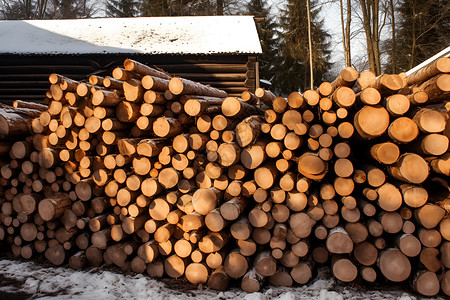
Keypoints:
pixel 198 35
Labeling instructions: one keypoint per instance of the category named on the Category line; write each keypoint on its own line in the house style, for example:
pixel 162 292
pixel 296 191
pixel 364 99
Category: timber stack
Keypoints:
pixel 161 175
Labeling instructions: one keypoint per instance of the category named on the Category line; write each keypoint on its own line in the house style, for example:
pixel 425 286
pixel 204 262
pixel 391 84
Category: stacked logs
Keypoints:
pixel 167 176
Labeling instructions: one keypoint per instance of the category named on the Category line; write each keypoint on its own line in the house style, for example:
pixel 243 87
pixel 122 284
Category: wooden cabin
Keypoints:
pixel 217 50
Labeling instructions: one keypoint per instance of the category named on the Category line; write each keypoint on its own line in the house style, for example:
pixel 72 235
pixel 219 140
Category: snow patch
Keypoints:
pixel 63 283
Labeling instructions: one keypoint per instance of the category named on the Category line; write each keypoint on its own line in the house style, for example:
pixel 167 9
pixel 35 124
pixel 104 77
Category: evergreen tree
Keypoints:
pixel 295 53
pixel 268 33
pixel 423 27
pixel 17 10
pixel 68 9
pixel 48 9
pixel 178 8
pixel 122 8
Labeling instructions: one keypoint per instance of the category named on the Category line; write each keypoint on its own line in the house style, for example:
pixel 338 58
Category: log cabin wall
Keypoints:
pixel 25 77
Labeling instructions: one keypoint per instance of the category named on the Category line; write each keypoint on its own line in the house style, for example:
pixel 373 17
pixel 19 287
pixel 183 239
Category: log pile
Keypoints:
pixel 161 175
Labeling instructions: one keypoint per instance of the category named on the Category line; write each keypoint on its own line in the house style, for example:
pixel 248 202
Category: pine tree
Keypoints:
pixel 423 31
pixel 46 9
pixel 68 9
pixel 178 8
pixel 122 8
pixel 17 10
pixel 295 53
pixel 268 33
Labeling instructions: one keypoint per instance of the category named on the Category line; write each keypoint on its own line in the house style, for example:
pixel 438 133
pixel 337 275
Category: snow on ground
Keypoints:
pixel 25 279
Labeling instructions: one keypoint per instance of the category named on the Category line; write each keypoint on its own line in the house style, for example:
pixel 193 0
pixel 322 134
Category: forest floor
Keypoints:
pixel 37 280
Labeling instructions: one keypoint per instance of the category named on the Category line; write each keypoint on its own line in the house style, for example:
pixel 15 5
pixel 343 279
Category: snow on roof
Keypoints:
pixel 147 35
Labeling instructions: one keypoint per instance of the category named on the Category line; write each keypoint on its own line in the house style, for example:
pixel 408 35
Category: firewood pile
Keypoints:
pixel 161 175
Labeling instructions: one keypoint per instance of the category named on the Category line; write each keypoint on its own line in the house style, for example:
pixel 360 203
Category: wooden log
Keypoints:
pixel 441 165
pixel 418 97
pixel 198 105
pixel 409 245
pixel 397 105
pixel 369 96
pixel 265 96
pixel 127 111
pixel 229 154
pixel 142 69
pixel 265 264
pixel 112 83
pixel 166 127
pixel 248 130
pixel 394 265
pixel 385 153
pixel 430 120
pixel 312 166
pixel 53 207
pixel 410 168
pixel 56 254
pixel 213 242
pixel 347 78
pixel 219 279
pixel 403 130
pixel 426 283
pixel 252 281
pixel 444 228
pixel 414 196
pixel 391 222
pixel 266 175
pixel 94 256
pixel 339 242
pixel 184 86
pixel 196 273
pixel 105 98
pixel 440 65
pixel 432 144
pixel 301 224
pixel 233 208
pixel 389 197
pixel 429 259
pixel 365 79
pixel 235 264
pixel 249 97
pixel 344 97
pixel 388 84
pixel 344 269
pixel 233 107
pixel 325 89
pixel 437 88
pixel 429 215
pixel 16 122
pixel 371 121
pixel 253 156
pixel 205 200
pixel 445 282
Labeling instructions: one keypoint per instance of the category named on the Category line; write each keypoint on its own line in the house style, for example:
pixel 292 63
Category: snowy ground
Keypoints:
pixel 24 280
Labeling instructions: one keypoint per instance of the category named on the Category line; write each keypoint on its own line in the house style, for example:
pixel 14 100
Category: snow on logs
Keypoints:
pixel 165 176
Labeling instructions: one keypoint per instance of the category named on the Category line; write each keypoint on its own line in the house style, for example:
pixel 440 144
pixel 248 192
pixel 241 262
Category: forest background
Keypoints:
pixel 384 36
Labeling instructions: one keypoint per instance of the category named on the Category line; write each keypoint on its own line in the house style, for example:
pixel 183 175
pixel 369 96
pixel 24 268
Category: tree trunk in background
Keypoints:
pixel 311 74
pixel 370 10
pixel 413 37
pixel 393 56
pixel 346 32
pixel 376 35
pixel 42 6
pixel 219 8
